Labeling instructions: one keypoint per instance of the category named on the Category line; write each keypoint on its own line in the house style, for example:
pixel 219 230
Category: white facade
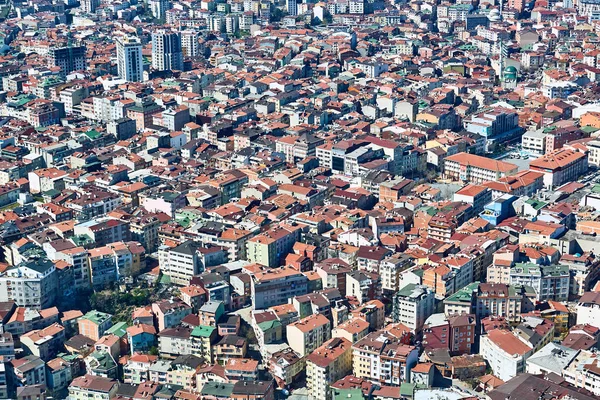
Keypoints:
pixel 159 8
pixel 189 43
pixel 505 366
pixel 129 59
pixel 413 305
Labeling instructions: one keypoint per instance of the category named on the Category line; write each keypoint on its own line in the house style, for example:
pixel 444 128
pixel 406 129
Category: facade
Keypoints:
pixel 550 282
pixel 68 59
pixel 505 353
pixel 30 284
pixel 560 166
pixel 476 169
pixel 286 366
pixel 498 300
pixel 129 59
pixel 383 358
pixel 588 309
pixel 275 286
pixel 270 248
pixel 87 386
pixel 183 262
pixel 167 53
pixel 305 335
pixel 94 324
pixel 327 364
pixel 412 305
pixel 189 43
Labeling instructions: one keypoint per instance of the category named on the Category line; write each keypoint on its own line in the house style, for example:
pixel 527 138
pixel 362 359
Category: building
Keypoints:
pixel 129 59
pixel 383 358
pixel 44 343
pixel 552 358
pixel 90 6
pixel 305 335
pixel 169 313
pixel 505 353
pixel 583 371
pixel 588 309
pixel 159 8
pixel 550 282
pixel 325 365
pixel 275 286
pixel 455 333
pixel 363 286
pixel 257 390
pixel 31 284
pixel 560 166
pixel 166 51
pixel 475 195
pixel 499 300
pixel 89 386
pixel 412 305
pixel 189 43
pixel 286 366
pixel 68 59
pixel 94 324
pixel 183 262
pixel 271 247
pixel 476 169
pixel 29 370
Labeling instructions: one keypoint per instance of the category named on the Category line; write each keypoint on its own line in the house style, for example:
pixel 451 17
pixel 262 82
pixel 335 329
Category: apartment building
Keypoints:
pixel 390 271
pixel 31 284
pixel 560 166
pixel 94 324
pixel 305 335
pixel 455 333
pixel 475 195
pixel 275 286
pixel 89 386
pixel 501 300
pixel 584 371
pixel 271 247
pixel 286 365
pixel 412 305
pixel 44 343
pixel 325 365
pixel 29 370
pixel 104 230
pixel 505 353
pixel 297 148
pixel 78 258
pixel 476 169
pixel 588 309
pixel 383 358
pixel 182 263
pixel 550 282
pixel 169 313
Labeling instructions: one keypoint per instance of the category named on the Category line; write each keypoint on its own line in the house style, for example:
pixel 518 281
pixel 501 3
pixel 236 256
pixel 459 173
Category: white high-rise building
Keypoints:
pixel 166 51
pixel 189 43
pixel 159 8
pixel 129 59
pixel 90 6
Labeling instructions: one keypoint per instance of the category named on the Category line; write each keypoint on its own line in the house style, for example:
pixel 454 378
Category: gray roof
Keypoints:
pixel 553 357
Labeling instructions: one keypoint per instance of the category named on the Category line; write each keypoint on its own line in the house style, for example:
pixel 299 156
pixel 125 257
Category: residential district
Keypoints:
pixel 268 199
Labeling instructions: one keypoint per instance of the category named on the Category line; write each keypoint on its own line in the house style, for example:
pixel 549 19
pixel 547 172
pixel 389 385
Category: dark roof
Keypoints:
pixel 532 387
pixel 252 388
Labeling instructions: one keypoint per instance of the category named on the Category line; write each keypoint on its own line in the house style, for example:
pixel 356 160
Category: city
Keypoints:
pixel 304 200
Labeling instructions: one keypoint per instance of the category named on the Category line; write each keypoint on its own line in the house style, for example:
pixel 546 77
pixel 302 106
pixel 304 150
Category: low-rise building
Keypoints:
pixel 505 353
